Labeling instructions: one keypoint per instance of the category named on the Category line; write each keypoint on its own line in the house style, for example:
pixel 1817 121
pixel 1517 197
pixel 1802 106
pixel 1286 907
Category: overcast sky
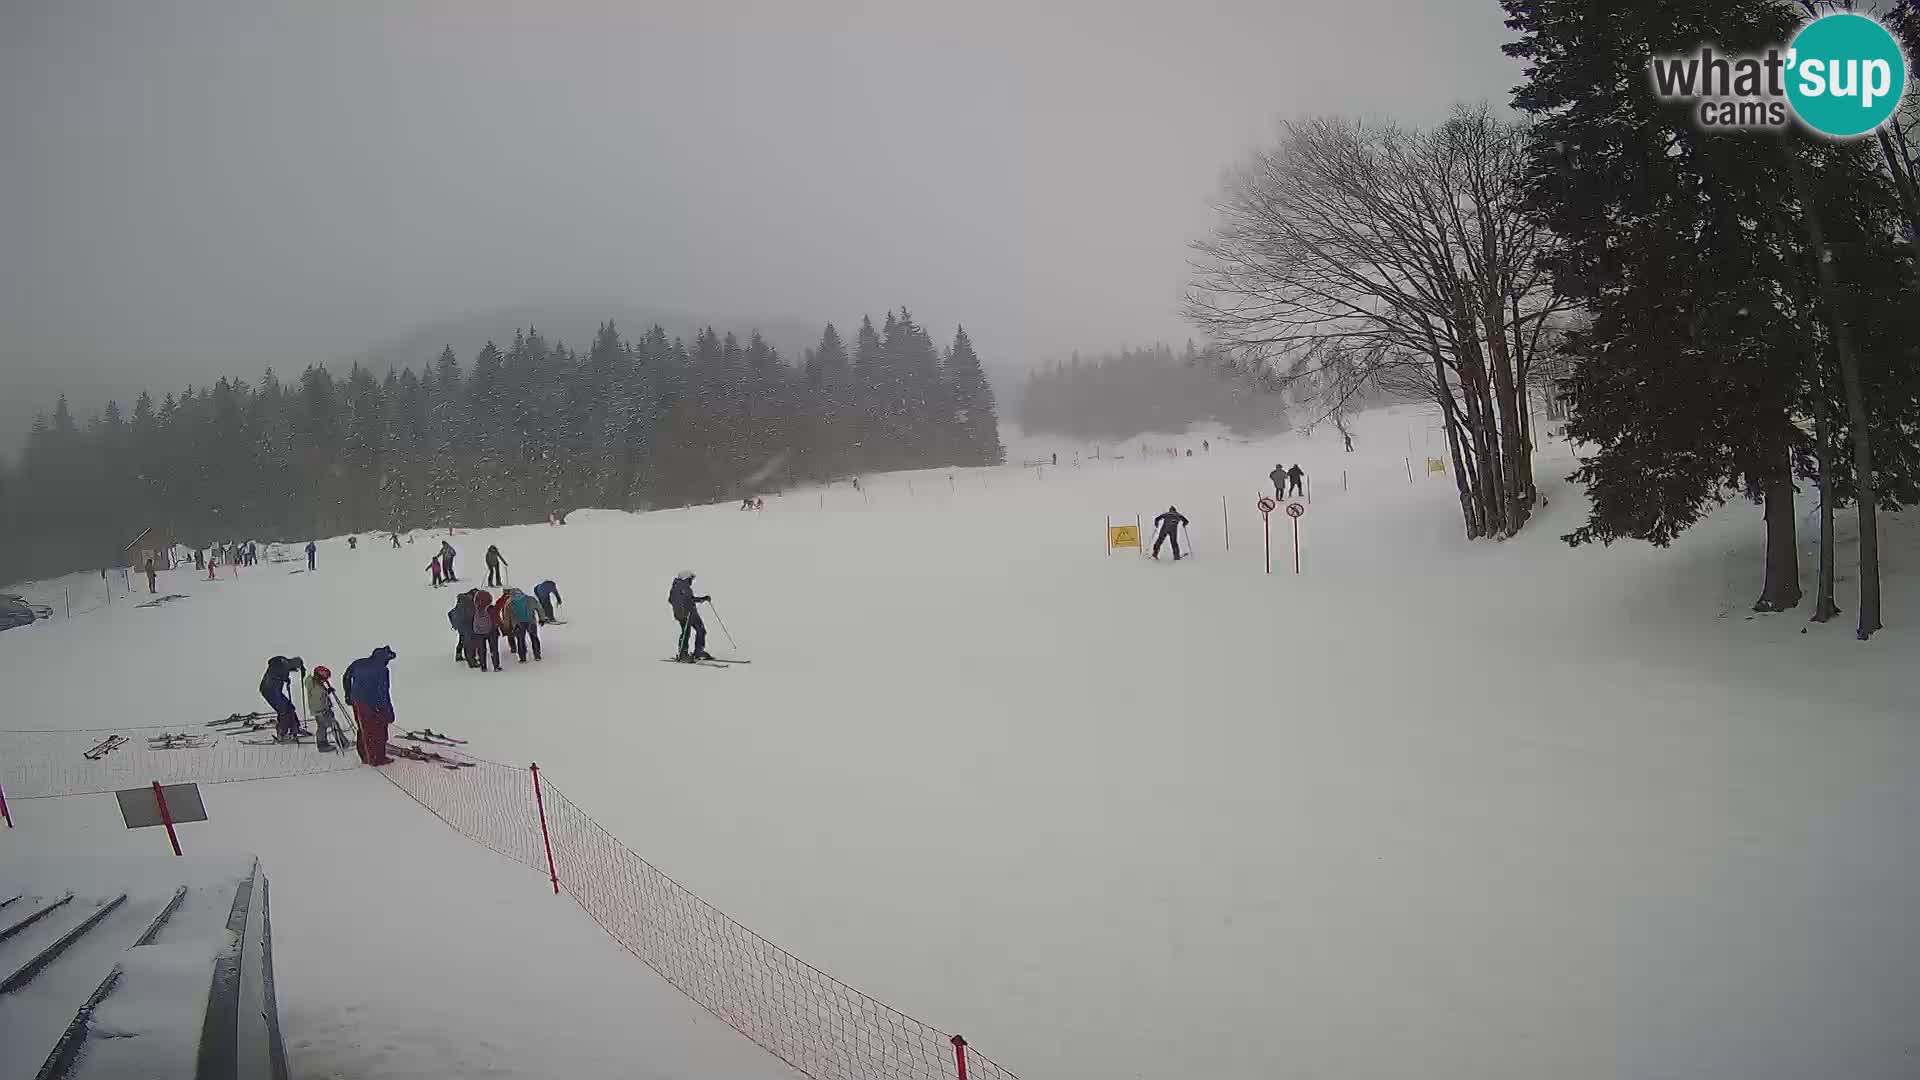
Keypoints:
pixel 191 189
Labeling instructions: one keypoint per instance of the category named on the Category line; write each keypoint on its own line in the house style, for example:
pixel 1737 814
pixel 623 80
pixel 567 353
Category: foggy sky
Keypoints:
pixel 189 189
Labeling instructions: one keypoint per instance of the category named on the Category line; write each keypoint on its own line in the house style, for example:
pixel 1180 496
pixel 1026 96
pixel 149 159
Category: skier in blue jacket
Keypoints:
pixel 370 688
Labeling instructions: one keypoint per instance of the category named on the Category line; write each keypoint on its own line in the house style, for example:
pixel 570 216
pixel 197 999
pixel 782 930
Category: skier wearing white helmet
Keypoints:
pixel 686 612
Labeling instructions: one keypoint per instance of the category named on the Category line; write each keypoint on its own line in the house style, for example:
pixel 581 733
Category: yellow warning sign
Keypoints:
pixel 1435 465
pixel 1123 536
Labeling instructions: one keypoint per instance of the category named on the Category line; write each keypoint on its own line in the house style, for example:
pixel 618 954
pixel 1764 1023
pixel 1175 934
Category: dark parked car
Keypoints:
pixel 17 612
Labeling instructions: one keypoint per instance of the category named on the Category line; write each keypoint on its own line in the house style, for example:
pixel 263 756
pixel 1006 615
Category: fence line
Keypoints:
pixel 815 1023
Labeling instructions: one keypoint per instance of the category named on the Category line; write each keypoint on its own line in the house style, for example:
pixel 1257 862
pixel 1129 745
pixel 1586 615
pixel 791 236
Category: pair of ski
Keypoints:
pixel 414 753
pixel 428 735
pixel 252 721
pixel 716 661
pixel 179 741
pixel 104 747
pixel 303 735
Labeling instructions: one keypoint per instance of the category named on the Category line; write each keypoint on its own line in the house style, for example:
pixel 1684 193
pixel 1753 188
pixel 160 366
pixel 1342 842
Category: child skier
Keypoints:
pixel 326 722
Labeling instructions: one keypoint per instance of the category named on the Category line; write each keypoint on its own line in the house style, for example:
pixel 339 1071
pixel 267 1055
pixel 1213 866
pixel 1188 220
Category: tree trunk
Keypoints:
pixel 1781 591
pixel 1905 183
pixel 1824 607
pixel 1508 396
pixel 1857 418
pixel 1443 395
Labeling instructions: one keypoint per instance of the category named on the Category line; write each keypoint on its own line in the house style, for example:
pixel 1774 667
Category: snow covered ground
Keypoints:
pixel 1431 809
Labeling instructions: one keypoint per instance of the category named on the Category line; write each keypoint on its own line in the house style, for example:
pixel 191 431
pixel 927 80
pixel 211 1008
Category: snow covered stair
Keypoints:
pixel 156 967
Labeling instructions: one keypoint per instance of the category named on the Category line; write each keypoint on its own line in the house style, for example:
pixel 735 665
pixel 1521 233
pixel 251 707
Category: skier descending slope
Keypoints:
pixel 1169 523
pixel 686 611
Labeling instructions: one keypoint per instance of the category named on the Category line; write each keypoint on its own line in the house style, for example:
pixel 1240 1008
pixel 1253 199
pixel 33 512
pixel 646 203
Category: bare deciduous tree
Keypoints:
pixel 1353 254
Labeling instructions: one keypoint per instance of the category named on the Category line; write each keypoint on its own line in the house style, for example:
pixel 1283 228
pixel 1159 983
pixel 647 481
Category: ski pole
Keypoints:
pixel 723 625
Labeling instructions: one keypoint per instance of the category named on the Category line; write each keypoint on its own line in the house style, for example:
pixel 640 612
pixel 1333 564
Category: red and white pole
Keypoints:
pixel 960 1056
pixel 1266 527
pixel 3 810
pixel 540 802
pixel 1296 545
pixel 166 816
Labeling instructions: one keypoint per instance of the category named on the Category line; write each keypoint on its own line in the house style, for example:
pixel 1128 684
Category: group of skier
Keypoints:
pixel 478 619
pixel 1286 481
pixel 368 694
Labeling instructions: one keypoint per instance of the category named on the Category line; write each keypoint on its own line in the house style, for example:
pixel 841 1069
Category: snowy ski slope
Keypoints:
pixel 1431 809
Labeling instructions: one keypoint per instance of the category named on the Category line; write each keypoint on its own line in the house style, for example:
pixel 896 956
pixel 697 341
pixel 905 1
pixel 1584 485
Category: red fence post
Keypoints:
pixel 541 802
pixel 1296 545
pixel 960 1055
pixel 3 809
pixel 166 816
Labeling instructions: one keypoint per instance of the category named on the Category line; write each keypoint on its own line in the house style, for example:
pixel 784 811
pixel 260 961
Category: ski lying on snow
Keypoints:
pixel 695 663
pixel 105 746
pixel 430 735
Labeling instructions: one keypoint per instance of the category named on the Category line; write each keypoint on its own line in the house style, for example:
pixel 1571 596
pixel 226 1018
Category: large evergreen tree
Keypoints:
pixel 1698 257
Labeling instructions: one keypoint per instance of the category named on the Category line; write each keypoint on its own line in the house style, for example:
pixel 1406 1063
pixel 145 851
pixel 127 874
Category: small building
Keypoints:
pixel 153 541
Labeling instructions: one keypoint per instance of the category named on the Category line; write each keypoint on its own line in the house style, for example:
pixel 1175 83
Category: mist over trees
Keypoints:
pixel 508 436
pixel 1114 397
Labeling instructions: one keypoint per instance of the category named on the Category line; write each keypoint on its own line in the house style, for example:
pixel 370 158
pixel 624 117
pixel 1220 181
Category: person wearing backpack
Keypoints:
pixel 486 632
pixel 522 622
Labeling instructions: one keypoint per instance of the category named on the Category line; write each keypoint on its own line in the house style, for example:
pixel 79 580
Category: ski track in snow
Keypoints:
pixel 1105 816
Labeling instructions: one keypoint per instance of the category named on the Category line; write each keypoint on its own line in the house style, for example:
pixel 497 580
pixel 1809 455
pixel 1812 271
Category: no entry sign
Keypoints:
pixel 1266 505
pixel 1294 510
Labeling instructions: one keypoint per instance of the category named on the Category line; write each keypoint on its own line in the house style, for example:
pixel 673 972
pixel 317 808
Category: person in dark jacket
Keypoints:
pixel 486 632
pixel 686 612
pixel 460 617
pixel 310 551
pixel 548 594
pixel 1294 476
pixel 274 686
pixel 446 561
pixel 1169 524
pixel 495 561
pixel 1279 478
pixel 370 693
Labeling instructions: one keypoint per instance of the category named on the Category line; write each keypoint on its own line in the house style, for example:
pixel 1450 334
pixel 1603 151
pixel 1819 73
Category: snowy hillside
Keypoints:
pixel 1105 816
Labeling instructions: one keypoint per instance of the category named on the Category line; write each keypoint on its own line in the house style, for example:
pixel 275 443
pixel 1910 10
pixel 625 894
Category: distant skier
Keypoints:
pixel 521 616
pixel 274 687
pixel 1169 523
pixel 353 543
pixel 548 594
pixel 326 725
pixel 151 588
pixel 1279 478
pixel 433 567
pixel 495 561
pixel 1206 447
pixel 1056 457
pixel 486 632
pixel 1294 476
pixel 446 561
pixel 199 559
pixel 396 541
pixel 1349 439
pixel 686 611
pixel 310 553
pixel 253 553
pixel 370 691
